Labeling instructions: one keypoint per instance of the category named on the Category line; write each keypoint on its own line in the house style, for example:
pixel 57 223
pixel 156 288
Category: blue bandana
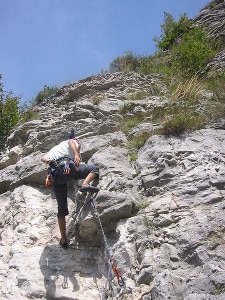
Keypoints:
pixel 72 134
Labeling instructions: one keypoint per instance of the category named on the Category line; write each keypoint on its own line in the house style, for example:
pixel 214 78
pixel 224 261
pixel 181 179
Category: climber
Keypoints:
pixel 64 160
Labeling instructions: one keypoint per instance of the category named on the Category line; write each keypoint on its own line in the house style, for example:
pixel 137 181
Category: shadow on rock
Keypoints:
pixel 59 276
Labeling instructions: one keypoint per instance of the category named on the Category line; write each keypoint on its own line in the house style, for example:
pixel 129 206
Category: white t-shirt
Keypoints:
pixel 62 150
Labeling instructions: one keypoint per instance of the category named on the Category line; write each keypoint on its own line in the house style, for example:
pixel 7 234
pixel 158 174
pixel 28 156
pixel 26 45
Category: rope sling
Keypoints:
pixel 111 260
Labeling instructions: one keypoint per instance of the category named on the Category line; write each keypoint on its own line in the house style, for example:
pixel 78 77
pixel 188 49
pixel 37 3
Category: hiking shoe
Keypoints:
pixel 64 245
pixel 88 188
pixel 53 164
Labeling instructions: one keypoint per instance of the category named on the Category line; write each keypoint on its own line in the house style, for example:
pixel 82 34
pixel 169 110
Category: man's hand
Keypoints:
pixel 77 160
pixel 45 159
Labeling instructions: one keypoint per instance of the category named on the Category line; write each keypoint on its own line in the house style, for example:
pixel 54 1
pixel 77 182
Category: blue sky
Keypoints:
pixel 53 42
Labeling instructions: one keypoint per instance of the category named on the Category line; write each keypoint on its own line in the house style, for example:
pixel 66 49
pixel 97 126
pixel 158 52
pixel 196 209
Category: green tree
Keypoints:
pixel 9 113
pixel 186 47
pixel 172 31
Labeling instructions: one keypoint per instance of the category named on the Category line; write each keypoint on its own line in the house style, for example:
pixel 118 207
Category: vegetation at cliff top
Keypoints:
pixel 183 51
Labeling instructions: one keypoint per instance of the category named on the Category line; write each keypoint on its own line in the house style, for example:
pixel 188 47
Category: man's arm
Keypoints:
pixel 76 152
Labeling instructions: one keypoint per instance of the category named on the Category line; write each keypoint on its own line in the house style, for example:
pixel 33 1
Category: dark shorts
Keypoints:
pixel 60 181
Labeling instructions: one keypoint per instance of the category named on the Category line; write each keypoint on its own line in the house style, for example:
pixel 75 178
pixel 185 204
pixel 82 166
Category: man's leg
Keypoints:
pixel 62 228
pixel 89 178
pixel 88 173
pixel 61 197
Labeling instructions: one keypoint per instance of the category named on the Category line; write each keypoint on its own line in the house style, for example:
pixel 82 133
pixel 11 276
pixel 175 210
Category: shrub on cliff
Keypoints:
pixel 127 63
pixel 9 113
pixel 172 31
pixel 191 55
pixel 45 93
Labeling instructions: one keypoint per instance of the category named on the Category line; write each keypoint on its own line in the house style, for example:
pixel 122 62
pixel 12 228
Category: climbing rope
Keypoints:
pixel 112 261
pixel 106 283
pixel 79 213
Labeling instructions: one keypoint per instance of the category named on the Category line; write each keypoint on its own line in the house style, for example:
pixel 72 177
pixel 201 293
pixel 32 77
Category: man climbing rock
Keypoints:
pixel 64 162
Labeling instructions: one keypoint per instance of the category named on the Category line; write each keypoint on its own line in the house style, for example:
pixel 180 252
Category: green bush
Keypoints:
pixel 97 99
pixel 172 31
pixel 46 92
pixel 215 106
pixel 182 122
pixel 138 95
pixel 127 63
pixel 158 113
pixel 186 108
pixel 159 62
pixel 217 87
pixel 127 108
pixel 193 52
pixel 188 91
pixel 133 155
pixel 138 141
pixel 128 123
pixel 9 113
pixel 27 113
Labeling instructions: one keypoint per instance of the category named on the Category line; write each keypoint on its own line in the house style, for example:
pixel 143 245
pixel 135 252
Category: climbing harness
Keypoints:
pixel 66 170
pixel 54 164
pixel 64 161
pixel 111 260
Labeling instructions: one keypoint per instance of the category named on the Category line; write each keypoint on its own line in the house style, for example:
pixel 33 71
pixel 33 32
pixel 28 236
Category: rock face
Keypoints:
pixel 160 217
pixel 212 17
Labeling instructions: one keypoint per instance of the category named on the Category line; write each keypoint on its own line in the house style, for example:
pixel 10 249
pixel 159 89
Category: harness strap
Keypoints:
pixel 65 161
pixel 64 158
